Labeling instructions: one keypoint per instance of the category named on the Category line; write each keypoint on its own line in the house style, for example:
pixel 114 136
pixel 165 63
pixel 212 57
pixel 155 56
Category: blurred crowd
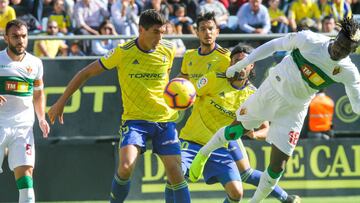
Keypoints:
pixel 120 17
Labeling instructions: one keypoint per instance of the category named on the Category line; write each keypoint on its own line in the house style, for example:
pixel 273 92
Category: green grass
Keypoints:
pixel 347 199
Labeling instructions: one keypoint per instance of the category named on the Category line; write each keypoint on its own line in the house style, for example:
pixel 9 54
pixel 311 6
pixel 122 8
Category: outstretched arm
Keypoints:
pixel 286 43
pixel 79 79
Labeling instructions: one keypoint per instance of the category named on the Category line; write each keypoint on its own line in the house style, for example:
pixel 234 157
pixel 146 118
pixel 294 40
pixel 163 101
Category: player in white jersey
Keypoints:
pixel 315 62
pixel 21 93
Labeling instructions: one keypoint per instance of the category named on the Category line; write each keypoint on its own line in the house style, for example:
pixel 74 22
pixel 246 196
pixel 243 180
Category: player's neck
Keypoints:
pixel 239 84
pixel 142 45
pixel 205 49
pixel 13 56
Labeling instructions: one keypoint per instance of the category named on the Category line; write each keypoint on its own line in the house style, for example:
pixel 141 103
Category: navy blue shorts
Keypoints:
pixel 220 167
pixel 164 136
pixel 235 151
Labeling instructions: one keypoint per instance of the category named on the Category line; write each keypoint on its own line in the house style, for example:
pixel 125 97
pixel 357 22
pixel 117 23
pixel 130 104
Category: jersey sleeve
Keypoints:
pixel 111 59
pixel 184 64
pixel 38 83
pixel 352 88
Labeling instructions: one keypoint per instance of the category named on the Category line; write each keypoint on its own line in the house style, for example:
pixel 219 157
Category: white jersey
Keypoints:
pixel 17 85
pixel 286 77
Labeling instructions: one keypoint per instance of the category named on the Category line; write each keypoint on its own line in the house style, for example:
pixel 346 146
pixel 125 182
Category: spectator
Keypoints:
pixel 329 25
pixel 253 17
pixel 181 21
pixel 191 7
pixel 324 7
pixel 29 11
pixel 221 14
pixel 50 48
pixel 179 44
pixel 321 113
pixel 124 14
pixel 103 46
pixel 340 9
pixel 61 17
pixel 75 49
pixel 304 13
pixel 7 13
pixel 234 6
pixel 159 5
pixel 279 22
pixel 88 16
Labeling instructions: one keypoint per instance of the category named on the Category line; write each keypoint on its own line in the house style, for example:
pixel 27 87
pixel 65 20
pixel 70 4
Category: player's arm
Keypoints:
pixel 2 100
pixel 286 43
pixel 39 106
pixel 352 88
pixel 260 133
pixel 78 80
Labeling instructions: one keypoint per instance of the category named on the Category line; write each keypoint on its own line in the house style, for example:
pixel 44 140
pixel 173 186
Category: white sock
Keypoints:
pixel 217 141
pixel 26 195
pixel 266 185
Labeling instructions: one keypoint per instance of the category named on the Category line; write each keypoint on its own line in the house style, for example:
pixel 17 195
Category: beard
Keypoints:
pixel 15 51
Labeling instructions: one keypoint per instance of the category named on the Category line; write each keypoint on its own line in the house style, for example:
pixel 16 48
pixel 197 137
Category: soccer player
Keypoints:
pixel 315 62
pixel 211 57
pixel 143 66
pixel 216 104
pixel 21 93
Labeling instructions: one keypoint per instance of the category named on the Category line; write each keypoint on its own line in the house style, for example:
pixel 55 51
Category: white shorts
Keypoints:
pixel 20 144
pixel 286 119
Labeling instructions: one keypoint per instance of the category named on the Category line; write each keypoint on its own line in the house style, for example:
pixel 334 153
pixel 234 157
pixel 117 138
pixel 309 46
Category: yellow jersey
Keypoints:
pixel 7 16
pixel 216 105
pixel 142 77
pixel 300 10
pixel 52 47
pixel 195 65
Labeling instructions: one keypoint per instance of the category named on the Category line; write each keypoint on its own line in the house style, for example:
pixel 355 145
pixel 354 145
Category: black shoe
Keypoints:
pixel 292 199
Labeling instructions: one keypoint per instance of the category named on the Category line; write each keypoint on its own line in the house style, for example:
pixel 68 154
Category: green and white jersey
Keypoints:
pixel 17 86
pixel 299 75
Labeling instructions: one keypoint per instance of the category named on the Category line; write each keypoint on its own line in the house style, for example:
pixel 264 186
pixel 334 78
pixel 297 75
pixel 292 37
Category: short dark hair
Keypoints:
pixel 17 23
pixel 244 48
pixel 349 28
pixel 205 17
pixel 151 17
pixel 328 17
pixel 241 48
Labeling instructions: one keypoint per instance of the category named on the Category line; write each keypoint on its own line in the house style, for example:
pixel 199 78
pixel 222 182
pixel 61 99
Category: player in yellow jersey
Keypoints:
pixel 143 67
pixel 218 99
pixel 209 56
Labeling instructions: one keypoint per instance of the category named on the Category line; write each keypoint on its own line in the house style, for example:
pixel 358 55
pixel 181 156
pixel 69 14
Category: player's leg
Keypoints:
pixel 24 183
pixel 130 146
pixel 121 181
pixel 271 175
pixel 21 160
pixel 170 155
pixel 220 138
pixel 234 192
pixel 250 175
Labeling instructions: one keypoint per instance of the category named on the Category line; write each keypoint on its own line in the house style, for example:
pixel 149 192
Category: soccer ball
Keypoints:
pixel 179 94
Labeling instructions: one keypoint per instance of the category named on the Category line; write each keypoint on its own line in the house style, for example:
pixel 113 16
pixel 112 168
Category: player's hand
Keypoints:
pixel 56 111
pixel 2 100
pixel 251 134
pixel 230 72
pixel 45 128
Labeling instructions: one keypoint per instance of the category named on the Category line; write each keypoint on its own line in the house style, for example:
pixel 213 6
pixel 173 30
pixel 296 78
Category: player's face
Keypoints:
pixel 341 48
pixel 153 35
pixel 244 72
pixel 17 39
pixel 207 32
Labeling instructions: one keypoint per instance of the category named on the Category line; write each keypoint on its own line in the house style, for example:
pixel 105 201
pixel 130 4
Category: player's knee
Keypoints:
pixel 124 171
pixel 235 192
